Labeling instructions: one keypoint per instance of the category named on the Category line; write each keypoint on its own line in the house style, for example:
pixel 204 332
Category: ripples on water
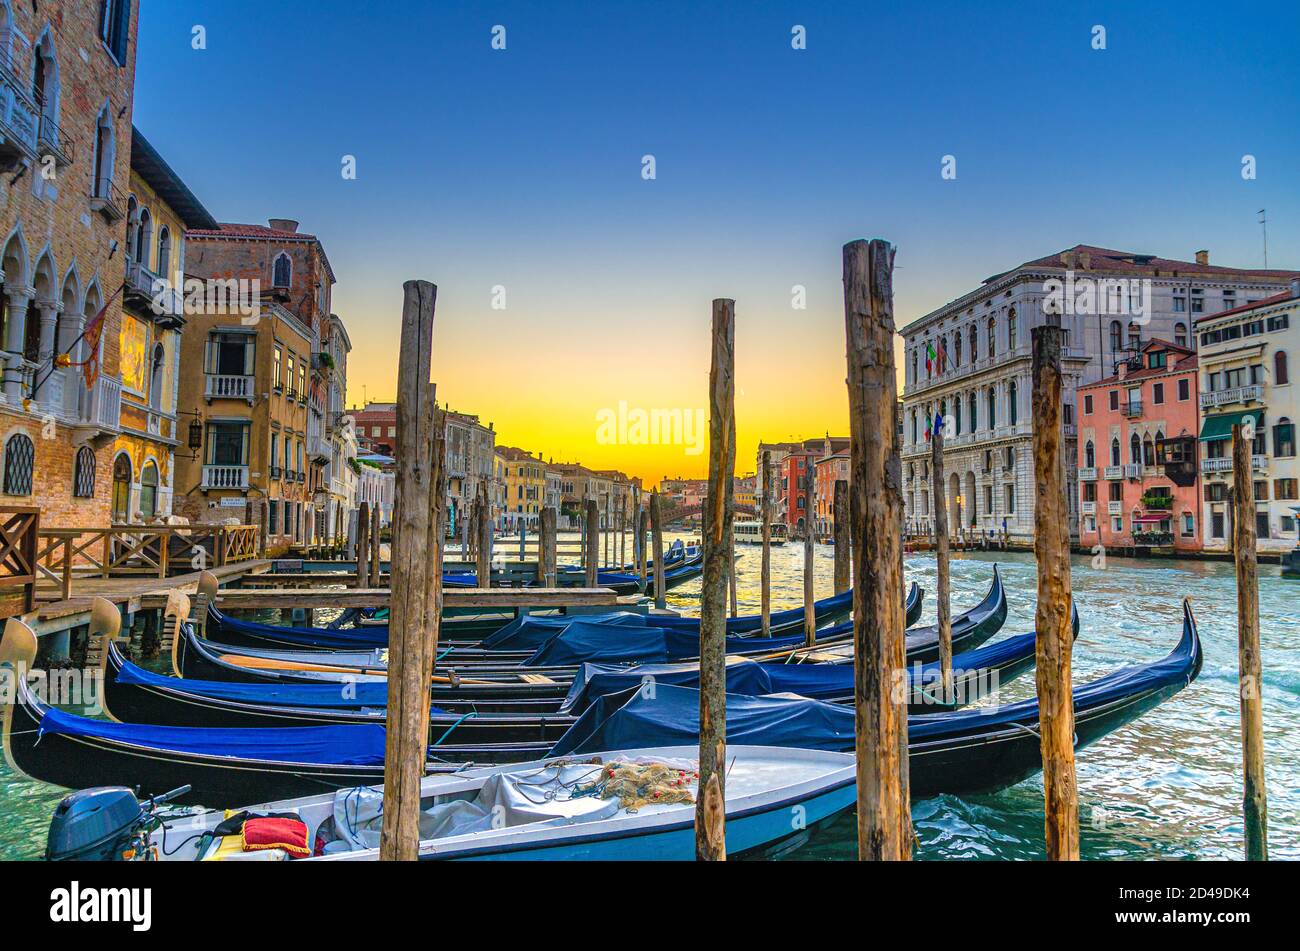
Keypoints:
pixel 1167 786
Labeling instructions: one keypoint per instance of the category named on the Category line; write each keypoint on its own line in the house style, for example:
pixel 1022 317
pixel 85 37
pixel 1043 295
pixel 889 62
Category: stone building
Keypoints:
pixel 471 461
pixel 969 362
pixel 67 74
pixel 160 208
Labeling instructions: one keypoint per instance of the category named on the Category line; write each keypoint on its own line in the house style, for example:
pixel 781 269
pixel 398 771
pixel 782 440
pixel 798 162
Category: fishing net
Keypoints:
pixel 641 784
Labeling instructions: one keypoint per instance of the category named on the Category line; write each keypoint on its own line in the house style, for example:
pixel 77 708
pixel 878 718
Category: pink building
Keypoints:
pixel 1138 451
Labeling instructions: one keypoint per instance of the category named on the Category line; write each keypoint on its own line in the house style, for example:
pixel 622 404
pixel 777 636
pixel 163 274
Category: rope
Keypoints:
pixel 459 721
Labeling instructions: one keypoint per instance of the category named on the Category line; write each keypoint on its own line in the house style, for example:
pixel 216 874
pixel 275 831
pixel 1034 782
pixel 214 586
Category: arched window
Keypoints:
pixel 974 409
pixel 149 490
pixel 956 416
pixel 1135 449
pixel 993 408
pixel 132 228
pixel 144 237
pixel 1116 338
pixel 1011 329
pixel 1011 402
pixel 1089 455
pixel 1114 451
pixel 45 84
pixel 1180 334
pixel 974 343
pixel 156 366
pixel 164 252
pixel 914 433
pixel 282 271
pixel 105 154
pixel 1280 375
pixel 1148 452
pixel 19 456
pixel 993 336
pixel 914 376
pixel 83 480
pixel 1284 438
pixel 1134 335
pixel 114 21
pixel 956 348
pixel 121 488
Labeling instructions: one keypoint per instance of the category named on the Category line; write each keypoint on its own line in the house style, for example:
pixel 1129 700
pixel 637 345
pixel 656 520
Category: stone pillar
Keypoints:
pixel 19 298
pixel 49 311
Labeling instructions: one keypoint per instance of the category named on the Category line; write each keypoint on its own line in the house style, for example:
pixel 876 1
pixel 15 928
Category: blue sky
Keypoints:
pixel 522 168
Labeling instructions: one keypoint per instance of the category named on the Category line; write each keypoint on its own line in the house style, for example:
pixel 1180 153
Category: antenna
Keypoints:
pixel 1263 223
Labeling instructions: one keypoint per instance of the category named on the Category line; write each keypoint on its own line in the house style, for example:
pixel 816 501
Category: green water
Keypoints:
pixel 1167 786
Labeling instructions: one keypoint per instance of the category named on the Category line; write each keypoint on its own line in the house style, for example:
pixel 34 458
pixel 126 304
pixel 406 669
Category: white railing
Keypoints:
pixel 1114 472
pixel 17 111
pixel 1115 508
pixel 1133 470
pixel 225 477
pixel 1088 508
pixel 228 387
pixel 1238 394
pixel 104 408
pixel 1088 474
pixel 1070 430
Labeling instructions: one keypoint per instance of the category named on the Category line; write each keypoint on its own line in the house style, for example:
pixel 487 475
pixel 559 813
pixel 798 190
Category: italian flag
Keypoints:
pixel 931 358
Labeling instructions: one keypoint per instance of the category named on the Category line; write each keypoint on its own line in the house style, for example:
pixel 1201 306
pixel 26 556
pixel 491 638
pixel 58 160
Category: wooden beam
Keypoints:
pixel 876 517
pixel 1249 666
pixel 1052 616
pixel 840 513
pixel 943 596
pixel 765 569
pixel 414 605
pixel 710 809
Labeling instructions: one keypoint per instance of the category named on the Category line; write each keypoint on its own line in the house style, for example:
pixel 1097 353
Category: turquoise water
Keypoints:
pixel 1167 786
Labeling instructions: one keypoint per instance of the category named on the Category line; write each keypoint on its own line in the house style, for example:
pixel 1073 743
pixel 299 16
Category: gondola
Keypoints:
pixel 962 751
pixel 134 695
pixel 980 749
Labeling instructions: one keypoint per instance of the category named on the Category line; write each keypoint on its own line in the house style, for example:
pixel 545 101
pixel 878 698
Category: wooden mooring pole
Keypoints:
pixel 840 513
pixel 592 557
pixel 657 547
pixel 376 556
pixel 765 568
pixel 710 806
pixel 1052 616
pixel 876 522
pixel 363 546
pixel 546 570
pixel 942 585
pixel 642 526
pixel 416 578
pixel 1255 797
pixel 809 537
pixel 483 554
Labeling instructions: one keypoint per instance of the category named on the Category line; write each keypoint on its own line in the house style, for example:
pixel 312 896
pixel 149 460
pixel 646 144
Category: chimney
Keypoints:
pixel 1202 257
pixel 1085 259
pixel 1295 287
pixel 1122 369
pixel 283 224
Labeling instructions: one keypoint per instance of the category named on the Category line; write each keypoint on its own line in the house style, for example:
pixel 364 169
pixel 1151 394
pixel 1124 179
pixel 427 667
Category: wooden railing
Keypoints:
pixel 157 550
pixel 19 530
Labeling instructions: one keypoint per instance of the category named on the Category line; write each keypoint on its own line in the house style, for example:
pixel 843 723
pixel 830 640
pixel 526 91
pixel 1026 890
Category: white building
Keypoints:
pixel 377 486
pixel 1246 360
pixel 1109 303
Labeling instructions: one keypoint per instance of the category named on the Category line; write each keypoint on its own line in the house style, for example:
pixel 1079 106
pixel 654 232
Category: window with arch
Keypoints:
pixel 132 228
pixel 1011 403
pixel 974 343
pixel 1116 336
pixel 956 414
pixel 993 408
pixel 281 271
pixel 1114 451
pixel 105 154
pixel 83 477
pixel 1280 374
pixel 993 336
pixel 1135 449
pixel 914 376
pixel 149 490
pixel 1148 451
pixel 114 23
pixel 121 488
pixel 144 237
pixel 1180 334
pixel 974 411
pixel 1134 335
pixel 20 454
pixel 1011 329
pixel 45 86
pixel 1284 438
pixel 157 364
pixel 956 348
pixel 164 252
pixel 1089 455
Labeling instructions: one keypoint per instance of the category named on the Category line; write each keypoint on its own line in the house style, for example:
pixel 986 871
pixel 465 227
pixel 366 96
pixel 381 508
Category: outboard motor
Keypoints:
pixel 104 824
pixel 95 825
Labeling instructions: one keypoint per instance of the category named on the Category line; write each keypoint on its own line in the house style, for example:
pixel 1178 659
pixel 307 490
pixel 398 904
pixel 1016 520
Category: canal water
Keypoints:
pixel 1167 786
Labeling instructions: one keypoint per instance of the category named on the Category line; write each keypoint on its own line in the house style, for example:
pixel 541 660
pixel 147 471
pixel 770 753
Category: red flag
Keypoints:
pixel 94 330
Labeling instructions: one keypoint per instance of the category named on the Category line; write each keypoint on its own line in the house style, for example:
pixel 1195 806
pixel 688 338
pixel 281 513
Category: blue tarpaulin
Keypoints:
pixel 361 745
pixel 582 642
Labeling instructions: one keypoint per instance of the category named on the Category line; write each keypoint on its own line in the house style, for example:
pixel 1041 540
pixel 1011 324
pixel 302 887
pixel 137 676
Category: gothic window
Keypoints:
pixel 1135 449
pixel 282 271
pixel 1116 337
pixel 1089 455
pixel 19 455
pixel 1280 375
pixel 83 481
pixel 149 490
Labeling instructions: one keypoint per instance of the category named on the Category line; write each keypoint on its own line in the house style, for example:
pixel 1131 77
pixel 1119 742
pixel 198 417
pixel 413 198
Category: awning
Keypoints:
pixel 1150 519
pixel 1220 426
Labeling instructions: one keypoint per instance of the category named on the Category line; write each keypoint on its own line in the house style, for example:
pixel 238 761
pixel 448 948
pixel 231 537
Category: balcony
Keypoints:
pixel 224 477
pixel 1224 463
pixel 161 424
pixel 1115 508
pixel 1131 409
pixel 100 417
pixel 1133 470
pixel 53 141
pixel 1114 472
pixel 18 122
pixel 1238 394
pixel 1088 474
pixel 1088 508
pixel 275 472
pixel 1069 430
pixel 107 199
pixel 226 387
pixel 145 289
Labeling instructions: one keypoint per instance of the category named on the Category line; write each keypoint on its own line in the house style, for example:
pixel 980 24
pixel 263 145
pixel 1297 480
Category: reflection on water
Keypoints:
pixel 1167 786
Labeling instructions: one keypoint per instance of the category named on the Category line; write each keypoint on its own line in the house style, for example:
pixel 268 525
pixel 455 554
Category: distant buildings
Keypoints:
pixel 525 488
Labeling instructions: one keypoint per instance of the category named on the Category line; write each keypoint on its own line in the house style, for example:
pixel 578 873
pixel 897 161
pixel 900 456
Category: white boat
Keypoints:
pixel 547 810
pixel 751 533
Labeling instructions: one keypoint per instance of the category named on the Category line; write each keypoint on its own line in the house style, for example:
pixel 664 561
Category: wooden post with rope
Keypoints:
pixel 710 807
pixel 415 575
pixel 876 519
pixel 1249 672
pixel 1052 615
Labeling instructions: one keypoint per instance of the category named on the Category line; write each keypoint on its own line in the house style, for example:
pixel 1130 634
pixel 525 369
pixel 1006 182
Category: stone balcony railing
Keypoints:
pixel 225 477
pixel 1238 394
pixel 228 387
pixel 1114 472
pixel 1088 474
pixel 19 121
pixel 1224 464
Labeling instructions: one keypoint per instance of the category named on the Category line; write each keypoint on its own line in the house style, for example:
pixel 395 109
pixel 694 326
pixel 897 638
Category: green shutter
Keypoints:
pixel 1220 426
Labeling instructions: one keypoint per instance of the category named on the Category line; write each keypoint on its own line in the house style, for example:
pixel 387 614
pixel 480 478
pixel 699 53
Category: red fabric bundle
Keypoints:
pixel 269 833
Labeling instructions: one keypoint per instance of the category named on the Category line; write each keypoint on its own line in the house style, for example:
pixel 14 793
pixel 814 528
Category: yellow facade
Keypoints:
pixel 525 486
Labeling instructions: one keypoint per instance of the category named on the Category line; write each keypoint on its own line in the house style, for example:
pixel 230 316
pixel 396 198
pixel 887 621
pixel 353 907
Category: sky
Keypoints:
pixel 570 283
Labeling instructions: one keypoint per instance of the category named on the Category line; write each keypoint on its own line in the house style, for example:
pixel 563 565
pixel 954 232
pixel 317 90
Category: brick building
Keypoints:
pixel 67 73
pixel 376 426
